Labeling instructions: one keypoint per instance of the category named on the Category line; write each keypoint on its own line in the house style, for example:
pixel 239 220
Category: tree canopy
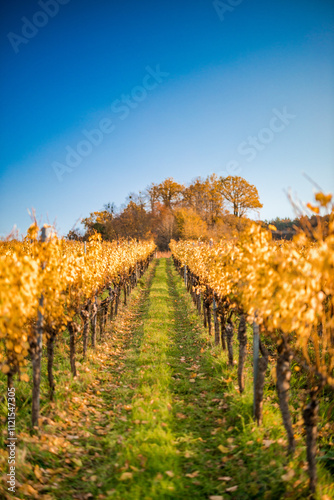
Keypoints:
pixel 172 210
pixel 241 195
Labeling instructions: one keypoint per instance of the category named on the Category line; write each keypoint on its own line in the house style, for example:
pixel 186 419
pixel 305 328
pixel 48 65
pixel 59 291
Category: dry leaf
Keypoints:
pixel 232 488
pixel 28 490
pixel 289 475
pixel 37 472
pixel 193 474
pixel 125 476
pixel 223 449
pixel 77 462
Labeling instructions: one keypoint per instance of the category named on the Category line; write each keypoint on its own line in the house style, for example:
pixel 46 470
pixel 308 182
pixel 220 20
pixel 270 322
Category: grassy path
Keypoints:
pixel 155 414
pixel 190 433
pixel 186 437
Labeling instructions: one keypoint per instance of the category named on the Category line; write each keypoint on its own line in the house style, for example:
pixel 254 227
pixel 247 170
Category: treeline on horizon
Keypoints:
pixel 211 208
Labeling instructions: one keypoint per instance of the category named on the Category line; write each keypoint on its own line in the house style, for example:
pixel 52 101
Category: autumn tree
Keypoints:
pixel 241 195
pixel 152 196
pixel 99 221
pixel 169 192
pixel 165 229
pixel 133 221
pixel 171 210
pixel 75 235
pixel 190 225
pixel 205 198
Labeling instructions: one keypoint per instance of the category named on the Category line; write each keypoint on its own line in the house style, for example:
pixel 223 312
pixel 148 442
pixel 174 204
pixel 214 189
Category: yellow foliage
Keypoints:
pixel 61 273
pixel 284 285
pixel 190 224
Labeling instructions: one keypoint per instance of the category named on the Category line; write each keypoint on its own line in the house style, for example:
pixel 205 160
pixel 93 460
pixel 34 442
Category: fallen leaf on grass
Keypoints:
pixel 216 497
pixel 225 478
pixel 125 476
pixel 267 442
pixel 289 475
pixel 169 473
pixel 181 415
pixel 193 474
pixel 28 490
pixel 38 474
pixel 232 488
pixel 77 462
pixel 223 449
pixel 55 471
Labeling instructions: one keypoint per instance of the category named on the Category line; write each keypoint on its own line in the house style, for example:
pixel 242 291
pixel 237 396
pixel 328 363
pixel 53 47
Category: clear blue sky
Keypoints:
pixel 248 91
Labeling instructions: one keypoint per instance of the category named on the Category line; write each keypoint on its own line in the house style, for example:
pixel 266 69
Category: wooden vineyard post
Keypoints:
pixel 260 367
pixel 85 318
pixel 256 344
pixel 100 315
pixel 216 322
pixel 229 331
pixel 72 328
pixel 94 321
pixel 283 372
pixel 199 298
pixel 204 314
pixel 111 303
pixel 117 291
pixel 310 414
pixel 208 316
pixel 185 276
pixel 242 337
pixel 50 353
pixel 222 331
pixel 37 355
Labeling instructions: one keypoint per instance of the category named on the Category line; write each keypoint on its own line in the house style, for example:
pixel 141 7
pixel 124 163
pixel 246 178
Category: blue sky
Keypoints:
pixel 175 88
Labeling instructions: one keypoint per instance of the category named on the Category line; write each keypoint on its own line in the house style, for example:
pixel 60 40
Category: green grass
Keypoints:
pixel 148 457
pixel 155 413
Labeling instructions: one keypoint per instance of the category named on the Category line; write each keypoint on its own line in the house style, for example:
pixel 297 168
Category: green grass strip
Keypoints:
pixel 149 455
